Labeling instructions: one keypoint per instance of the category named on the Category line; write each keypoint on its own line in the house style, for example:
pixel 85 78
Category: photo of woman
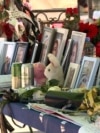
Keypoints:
pixel 70 77
pixel 74 50
pixel 47 43
pixel 5 66
pixel 20 55
pixel 45 46
pixel 7 57
pixel 79 41
pixel 55 48
pixel 85 75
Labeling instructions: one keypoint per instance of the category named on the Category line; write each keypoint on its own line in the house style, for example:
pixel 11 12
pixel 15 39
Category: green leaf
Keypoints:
pixel 53 82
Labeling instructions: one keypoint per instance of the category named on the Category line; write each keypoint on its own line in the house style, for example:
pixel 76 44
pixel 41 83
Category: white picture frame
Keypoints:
pixel 87 72
pixel 98 78
pixel 59 42
pixel 71 75
pixel 34 52
pixel 47 42
pixel 7 50
pixel 78 46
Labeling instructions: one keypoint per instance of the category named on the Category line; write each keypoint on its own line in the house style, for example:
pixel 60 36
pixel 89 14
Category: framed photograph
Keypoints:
pixel 98 78
pixel 47 42
pixel 65 61
pixel 78 46
pixel 21 51
pixel 59 42
pixel 7 50
pixel 87 72
pixel 71 75
pixel 34 52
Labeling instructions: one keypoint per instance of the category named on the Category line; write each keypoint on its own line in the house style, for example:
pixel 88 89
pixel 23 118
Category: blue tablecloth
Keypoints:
pixel 39 120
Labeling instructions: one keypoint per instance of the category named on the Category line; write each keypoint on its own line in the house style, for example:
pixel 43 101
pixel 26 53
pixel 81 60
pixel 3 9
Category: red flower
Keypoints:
pixel 75 11
pixel 8 30
pixel 83 27
pixel 91 30
pixel 69 11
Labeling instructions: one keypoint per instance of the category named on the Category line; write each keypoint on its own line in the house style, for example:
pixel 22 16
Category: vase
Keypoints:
pixel 98 49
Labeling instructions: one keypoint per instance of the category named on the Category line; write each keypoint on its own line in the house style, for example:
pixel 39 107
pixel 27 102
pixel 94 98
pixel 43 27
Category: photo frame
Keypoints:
pixel 87 72
pixel 34 52
pixel 59 42
pixel 47 42
pixel 98 78
pixel 21 51
pixel 7 50
pixel 65 61
pixel 78 46
pixel 71 75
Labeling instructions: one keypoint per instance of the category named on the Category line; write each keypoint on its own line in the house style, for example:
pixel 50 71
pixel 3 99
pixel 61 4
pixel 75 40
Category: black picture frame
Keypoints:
pixel 36 52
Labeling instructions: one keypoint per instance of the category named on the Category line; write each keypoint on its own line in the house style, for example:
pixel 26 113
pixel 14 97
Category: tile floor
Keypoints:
pixel 21 130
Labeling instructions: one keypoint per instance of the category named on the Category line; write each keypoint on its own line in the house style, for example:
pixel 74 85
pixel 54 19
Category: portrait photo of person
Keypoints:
pixel 45 46
pixel 20 55
pixel 55 48
pixel 44 49
pixel 85 75
pixel 78 46
pixel 70 77
pixel 7 56
pixel 74 50
pixel 5 66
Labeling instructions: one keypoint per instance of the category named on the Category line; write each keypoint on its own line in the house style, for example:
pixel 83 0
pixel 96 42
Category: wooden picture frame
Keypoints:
pixel 47 42
pixel 87 72
pixel 59 42
pixel 78 46
pixel 71 75
pixel 7 50
pixel 98 78
pixel 21 51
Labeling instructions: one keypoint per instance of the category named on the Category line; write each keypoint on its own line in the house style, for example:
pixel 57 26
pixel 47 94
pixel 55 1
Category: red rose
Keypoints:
pixel 90 29
pixel 75 10
pixel 8 29
pixel 69 11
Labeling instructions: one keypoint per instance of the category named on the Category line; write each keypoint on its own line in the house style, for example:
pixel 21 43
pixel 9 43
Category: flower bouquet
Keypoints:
pixel 92 30
pixel 71 20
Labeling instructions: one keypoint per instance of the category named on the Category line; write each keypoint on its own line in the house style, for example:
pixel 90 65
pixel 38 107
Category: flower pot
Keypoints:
pixel 98 49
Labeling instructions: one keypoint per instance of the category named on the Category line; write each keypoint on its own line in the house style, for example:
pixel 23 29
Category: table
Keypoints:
pixel 39 120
